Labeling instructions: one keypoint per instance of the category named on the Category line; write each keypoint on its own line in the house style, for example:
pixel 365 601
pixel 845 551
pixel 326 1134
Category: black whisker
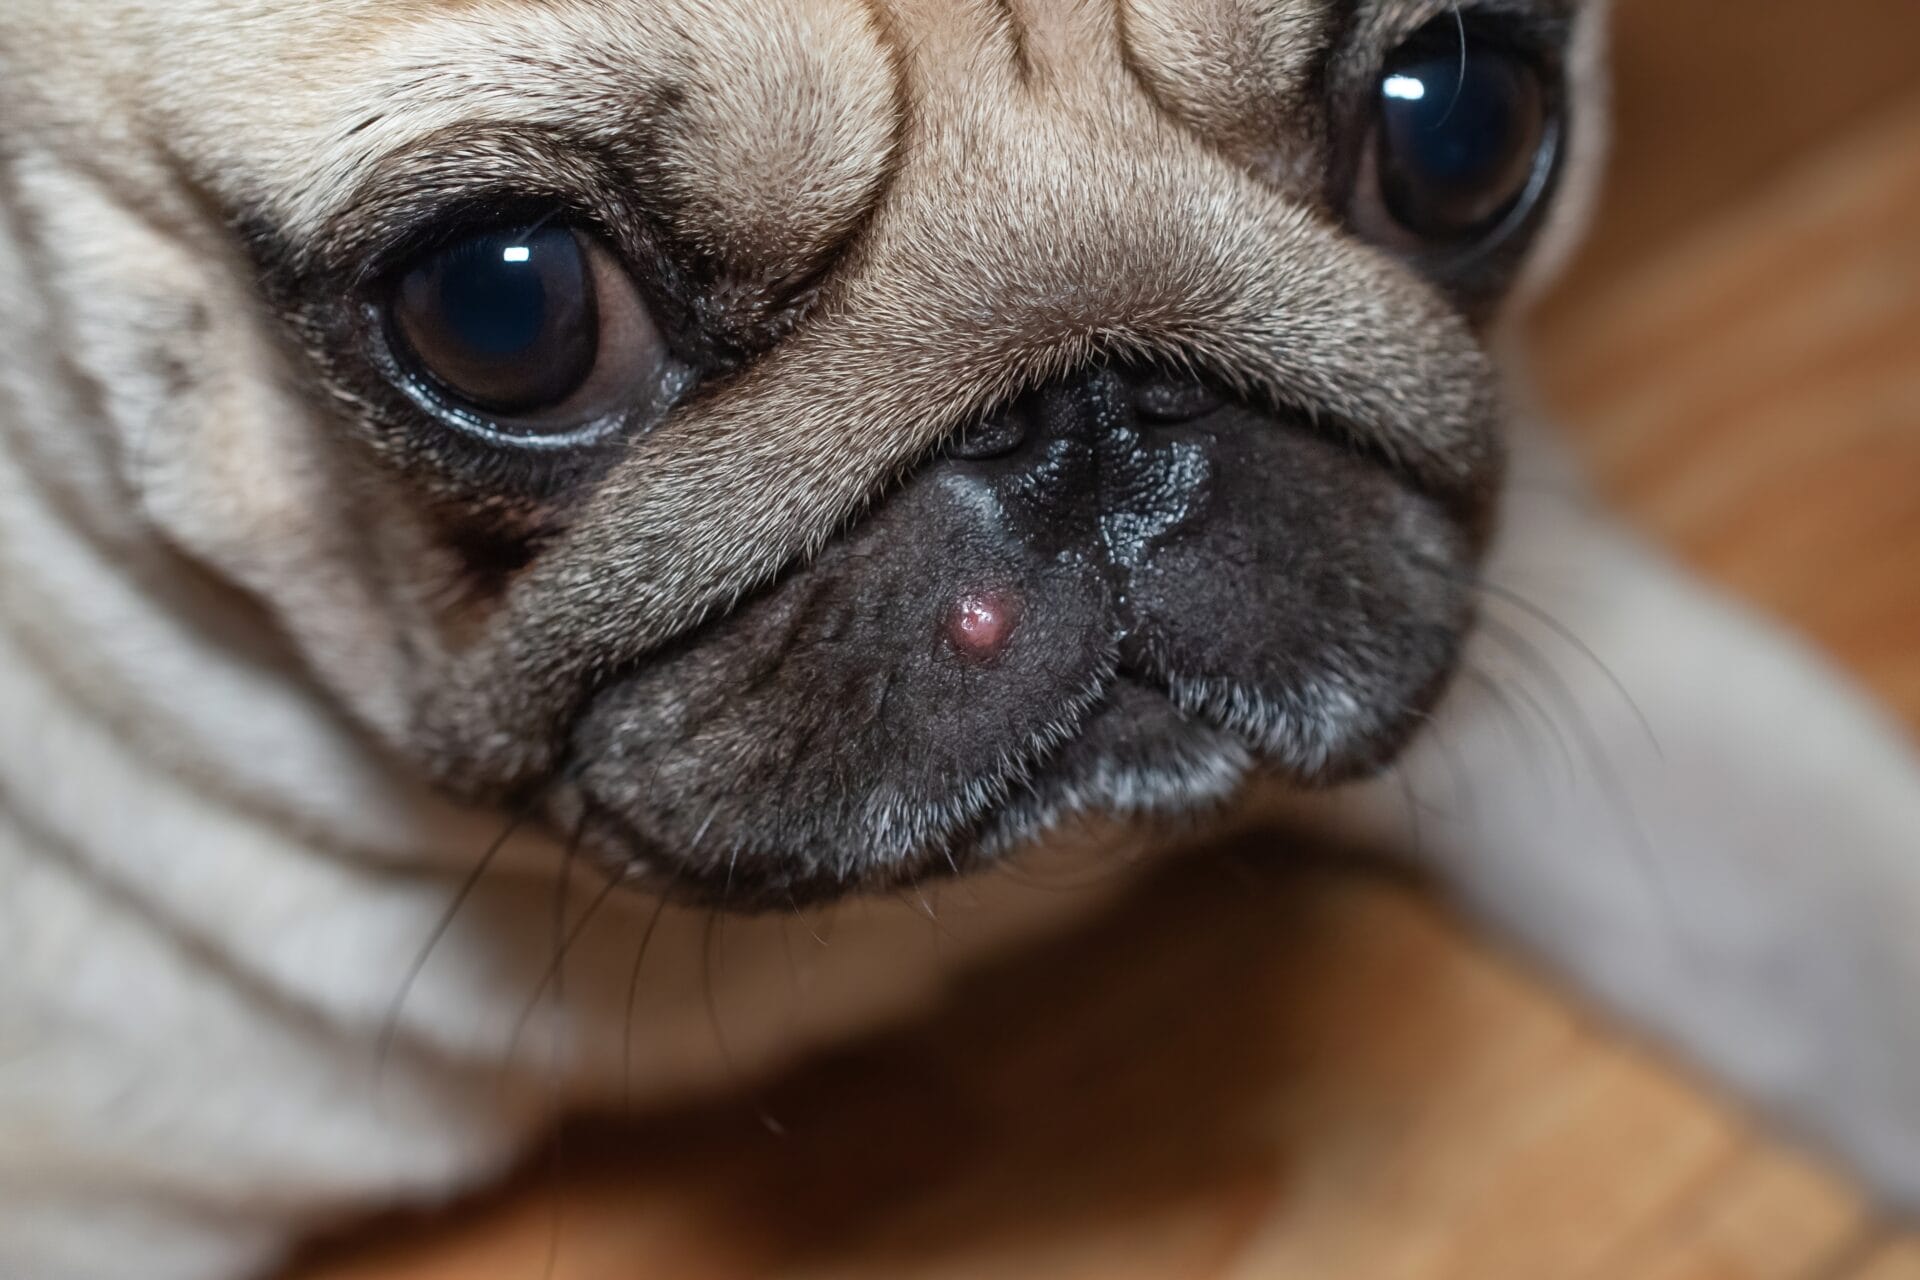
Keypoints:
pixel 551 978
pixel 562 941
pixel 633 993
pixel 1528 699
pixel 390 1025
pixel 1567 635
pixel 556 1174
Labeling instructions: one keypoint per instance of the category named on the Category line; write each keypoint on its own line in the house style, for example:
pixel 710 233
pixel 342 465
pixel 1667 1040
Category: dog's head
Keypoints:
pixel 809 444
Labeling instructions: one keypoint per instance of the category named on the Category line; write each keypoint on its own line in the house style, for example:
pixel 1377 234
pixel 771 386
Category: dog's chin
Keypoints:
pixel 1114 601
pixel 1140 759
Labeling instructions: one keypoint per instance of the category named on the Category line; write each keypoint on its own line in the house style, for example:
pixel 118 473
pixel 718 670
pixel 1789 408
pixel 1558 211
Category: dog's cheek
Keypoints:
pixel 207 439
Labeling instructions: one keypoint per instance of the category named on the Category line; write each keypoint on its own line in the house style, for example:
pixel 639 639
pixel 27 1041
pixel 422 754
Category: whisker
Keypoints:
pixel 633 993
pixel 1548 493
pixel 551 979
pixel 709 942
pixel 828 924
pixel 1568 635
pixel 1466 803
pixel 1606 774
pixel 556 1174
pixel 1522 741
pixel 1524 650
pixel 562 941
pixel 935 925
pixel 1416 833
pixel 1508 596
pixel 1460 87
pixel 1531 701
pixel 693 845
pixel 390 1025
pixel 808 924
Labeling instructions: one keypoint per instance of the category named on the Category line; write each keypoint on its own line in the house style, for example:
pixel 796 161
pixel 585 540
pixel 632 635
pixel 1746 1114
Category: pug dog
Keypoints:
pixel 511 510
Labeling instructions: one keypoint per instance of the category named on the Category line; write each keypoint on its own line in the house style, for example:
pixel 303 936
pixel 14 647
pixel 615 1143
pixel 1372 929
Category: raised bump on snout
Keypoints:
pixel 979 626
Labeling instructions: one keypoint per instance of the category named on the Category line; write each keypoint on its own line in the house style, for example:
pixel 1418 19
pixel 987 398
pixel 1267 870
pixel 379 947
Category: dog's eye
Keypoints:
pixel 537 333
pixel 1462 141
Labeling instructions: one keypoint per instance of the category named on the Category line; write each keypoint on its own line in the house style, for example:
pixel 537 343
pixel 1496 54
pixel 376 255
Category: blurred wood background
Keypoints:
pixel 1311 1075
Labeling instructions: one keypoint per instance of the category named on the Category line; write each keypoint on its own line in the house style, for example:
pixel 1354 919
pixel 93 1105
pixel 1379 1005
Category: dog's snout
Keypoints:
pixel 1121 587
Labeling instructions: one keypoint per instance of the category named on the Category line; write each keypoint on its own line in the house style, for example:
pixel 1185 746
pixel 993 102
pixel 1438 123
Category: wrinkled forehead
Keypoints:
pixel 767 120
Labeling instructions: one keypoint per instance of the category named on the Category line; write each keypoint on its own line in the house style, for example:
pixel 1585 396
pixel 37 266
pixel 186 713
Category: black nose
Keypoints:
pixel 1096 465
pixel 1082 405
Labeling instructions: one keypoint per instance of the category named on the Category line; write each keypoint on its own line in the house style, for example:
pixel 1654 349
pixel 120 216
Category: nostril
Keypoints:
pixel 1169 399
pixel 994 436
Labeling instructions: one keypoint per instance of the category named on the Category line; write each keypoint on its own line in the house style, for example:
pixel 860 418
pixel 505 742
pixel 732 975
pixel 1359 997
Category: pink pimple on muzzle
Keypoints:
pixel 979 626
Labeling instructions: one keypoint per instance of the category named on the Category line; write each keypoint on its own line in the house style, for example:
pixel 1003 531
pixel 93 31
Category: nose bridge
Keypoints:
pixel 1041 194
pixel 1034 215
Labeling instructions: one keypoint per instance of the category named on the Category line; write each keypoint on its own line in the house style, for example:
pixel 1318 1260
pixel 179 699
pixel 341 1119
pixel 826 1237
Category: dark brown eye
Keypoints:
pixel 536 332
pixel 1463 137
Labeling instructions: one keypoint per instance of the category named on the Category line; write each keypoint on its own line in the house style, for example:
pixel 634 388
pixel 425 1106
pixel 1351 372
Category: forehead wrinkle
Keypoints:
pixel 753 96
pixel 957 45
pixel 1066 50
pixel 1240 75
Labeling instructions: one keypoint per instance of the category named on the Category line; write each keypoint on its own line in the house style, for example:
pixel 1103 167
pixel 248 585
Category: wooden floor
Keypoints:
pixel 1331 1080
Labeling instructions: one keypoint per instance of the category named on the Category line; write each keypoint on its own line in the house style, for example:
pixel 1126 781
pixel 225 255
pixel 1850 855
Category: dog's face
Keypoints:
pixel 808 444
